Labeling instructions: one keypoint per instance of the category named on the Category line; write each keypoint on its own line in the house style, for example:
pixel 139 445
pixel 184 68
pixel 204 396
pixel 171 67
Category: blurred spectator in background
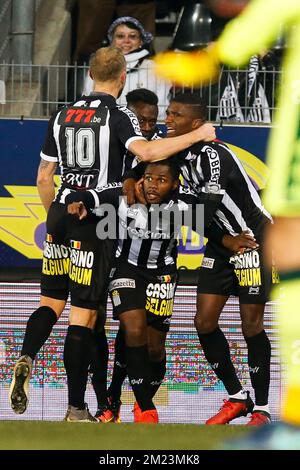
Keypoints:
pixel 129 35
pixel 95 16
pixel 241 95
pixel 247 95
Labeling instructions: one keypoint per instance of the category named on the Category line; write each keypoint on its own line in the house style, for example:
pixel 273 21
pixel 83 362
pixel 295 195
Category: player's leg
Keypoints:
pixel 99 360
pixel 54 292
pixel 157 357
pixel 156 340
pixel 159 309
pixel 215 283
pixel 86 289
pixel 127 291
pixel 54 282
pixel 99 365
pixel 254 284
pixel 118 376
pixel 40 324
pixel 259 359
pixel 216 350
pixel 38 329
pixel 77 358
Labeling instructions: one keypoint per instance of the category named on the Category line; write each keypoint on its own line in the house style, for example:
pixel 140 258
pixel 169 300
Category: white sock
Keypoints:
pixel 241 395
pixel 262 408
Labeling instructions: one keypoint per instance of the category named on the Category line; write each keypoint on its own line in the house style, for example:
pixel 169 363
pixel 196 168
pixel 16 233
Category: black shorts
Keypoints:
pixel 242 275
pixel 133 288
pixel 74 259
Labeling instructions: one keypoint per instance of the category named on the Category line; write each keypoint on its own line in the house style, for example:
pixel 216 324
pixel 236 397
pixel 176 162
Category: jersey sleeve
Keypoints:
pixel 109 194
pixel 128 128
pixel 49 150
pixel 93 198
pixel 216 166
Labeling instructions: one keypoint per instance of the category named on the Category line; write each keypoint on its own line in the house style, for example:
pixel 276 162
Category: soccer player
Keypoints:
pixel 214 172
pixel 143 279
pixel 88 140
pixel 144 104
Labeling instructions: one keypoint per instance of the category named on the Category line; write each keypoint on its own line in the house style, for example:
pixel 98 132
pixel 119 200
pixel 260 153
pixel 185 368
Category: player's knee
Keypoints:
pixel 204 324
pixel 45 311
pixel 252 326
pixel 83 317
pixel 56 305
pixel 156 353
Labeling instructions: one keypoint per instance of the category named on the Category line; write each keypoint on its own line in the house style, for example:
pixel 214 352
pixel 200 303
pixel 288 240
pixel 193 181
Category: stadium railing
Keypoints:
pixel 37 90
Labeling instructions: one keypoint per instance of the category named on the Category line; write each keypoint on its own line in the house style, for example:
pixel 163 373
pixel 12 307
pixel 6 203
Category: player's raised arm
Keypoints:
pixel 164 148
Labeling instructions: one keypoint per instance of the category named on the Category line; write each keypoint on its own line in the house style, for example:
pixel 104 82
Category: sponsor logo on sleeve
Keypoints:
pixel 215 169
pixel 254 290
pixel 134 120
pixel 115 297
pixel 122 283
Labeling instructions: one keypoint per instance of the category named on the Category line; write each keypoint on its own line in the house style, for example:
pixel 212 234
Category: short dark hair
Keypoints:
pixel 194 100
pixel 171 163
pixel 142 94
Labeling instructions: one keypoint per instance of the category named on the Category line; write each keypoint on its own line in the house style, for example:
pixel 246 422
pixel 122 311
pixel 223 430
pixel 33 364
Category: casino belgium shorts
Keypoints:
pixel 244 276
pixel 75 261
pixel 133 288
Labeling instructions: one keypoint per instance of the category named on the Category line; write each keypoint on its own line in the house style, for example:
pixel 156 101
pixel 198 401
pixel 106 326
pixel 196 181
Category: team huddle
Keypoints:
pixel 112 229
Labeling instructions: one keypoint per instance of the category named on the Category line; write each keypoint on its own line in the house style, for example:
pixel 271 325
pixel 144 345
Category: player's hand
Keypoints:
pixel 240 243
pixel 129 190
pixel 139 192
pixel 207 132
pixel 78 209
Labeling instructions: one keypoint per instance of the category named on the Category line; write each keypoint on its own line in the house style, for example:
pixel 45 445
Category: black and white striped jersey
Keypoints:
pixel 216 174
pixel 89 140
pixel 213 169
pixel 146 234
pixel 131 160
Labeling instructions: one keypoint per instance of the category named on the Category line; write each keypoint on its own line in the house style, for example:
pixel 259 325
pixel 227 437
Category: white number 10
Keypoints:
pixel 80 147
